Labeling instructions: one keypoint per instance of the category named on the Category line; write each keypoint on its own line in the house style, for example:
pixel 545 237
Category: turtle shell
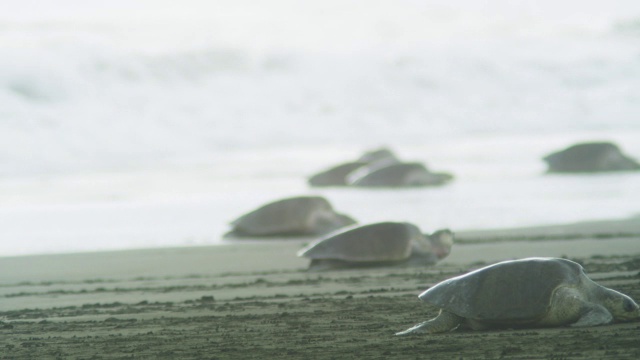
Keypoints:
pixel 293 216
pixel 390 175
pixel 510 291
pixel 376 155
pixel 590 157
pixel 335 176
pixel 386 241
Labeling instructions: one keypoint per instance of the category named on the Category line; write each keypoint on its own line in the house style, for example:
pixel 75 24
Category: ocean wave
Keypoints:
pixel 26 75
pixel 80 95
pixel 628 27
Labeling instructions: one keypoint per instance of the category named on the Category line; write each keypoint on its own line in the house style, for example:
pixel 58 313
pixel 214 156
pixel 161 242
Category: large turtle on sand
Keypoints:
pixel 533 292
pixel 296 216
pixel 379 244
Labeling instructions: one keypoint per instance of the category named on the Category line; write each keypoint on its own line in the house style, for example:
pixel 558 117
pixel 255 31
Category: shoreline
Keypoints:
pixel 255 300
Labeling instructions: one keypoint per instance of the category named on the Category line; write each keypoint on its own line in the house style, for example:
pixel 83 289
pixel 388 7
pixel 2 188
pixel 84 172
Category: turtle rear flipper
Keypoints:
pixel 445 321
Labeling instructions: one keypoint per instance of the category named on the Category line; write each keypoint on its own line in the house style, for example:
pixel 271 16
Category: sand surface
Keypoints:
pixel 254 300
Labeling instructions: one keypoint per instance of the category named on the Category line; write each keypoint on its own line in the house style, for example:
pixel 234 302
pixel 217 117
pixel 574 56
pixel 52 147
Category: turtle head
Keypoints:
pixel 437 245
pixel 428 249
pixel 441 242
pixel 621 306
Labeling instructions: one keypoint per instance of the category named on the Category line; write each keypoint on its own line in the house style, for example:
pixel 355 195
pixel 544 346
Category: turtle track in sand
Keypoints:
pixel 284 313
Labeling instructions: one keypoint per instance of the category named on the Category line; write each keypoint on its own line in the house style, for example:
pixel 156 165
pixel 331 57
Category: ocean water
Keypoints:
pixel 129 124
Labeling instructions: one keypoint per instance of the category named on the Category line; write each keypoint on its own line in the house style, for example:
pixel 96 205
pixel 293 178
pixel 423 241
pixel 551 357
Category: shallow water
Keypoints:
pixel 192 204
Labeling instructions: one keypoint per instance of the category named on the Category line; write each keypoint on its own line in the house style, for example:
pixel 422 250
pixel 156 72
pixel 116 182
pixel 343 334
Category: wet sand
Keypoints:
pixel 254 300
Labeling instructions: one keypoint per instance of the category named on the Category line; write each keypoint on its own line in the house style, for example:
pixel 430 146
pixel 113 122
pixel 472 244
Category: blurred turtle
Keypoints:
pixel 296 216
pixel 376 155
pixel 590 157
pixel 397 175
pixel 337 175
pixel 379 244
pixel 533 292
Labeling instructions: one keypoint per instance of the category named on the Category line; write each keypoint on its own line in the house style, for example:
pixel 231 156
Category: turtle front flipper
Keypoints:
pixel 445 321
pixel 577 307
pixel 595 315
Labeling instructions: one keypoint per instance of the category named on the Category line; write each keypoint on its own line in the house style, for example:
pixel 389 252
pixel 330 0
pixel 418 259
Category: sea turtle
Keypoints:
pixel 396 175
pixel 381 154
pixel 590 157
pixel 296 216
pixel 532 292
pixel 337 175
pixel 378 244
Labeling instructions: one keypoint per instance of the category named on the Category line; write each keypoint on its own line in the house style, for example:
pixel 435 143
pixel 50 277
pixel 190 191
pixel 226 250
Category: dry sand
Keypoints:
pixel 254 300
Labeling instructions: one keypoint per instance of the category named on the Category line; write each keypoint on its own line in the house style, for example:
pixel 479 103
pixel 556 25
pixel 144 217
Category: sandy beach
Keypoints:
pixel 254 300
pixel 134 133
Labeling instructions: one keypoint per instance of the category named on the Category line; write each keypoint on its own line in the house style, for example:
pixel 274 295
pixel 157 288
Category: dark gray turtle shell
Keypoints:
pixel 590 157
pixel 335 176
pixel 303 215
pixel 379 242
pixel 510 291
pixel 381 154
pixel 396 175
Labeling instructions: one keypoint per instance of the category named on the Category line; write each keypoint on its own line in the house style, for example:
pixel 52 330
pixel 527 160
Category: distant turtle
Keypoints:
pixel 396 175
pixel 381 154
pixel 533 292
pixel 590 157
pixel 379 244
pixel 296 216
pixel 337 175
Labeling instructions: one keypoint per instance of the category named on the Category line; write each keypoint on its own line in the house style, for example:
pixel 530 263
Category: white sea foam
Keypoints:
pixel 120 115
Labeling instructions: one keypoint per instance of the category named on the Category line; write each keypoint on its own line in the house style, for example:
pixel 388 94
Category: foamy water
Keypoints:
pixel 148 123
